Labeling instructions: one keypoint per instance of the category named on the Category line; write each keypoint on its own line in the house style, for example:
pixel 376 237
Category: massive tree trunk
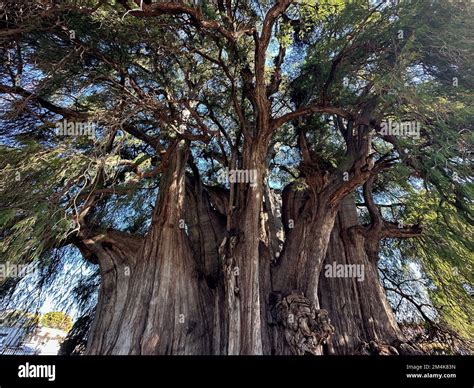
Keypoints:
pixel 131 297
pixel 194 281
pixel 305 248
pixel 358 307
pixel 301 326
pixel 168 308
pixel 116 254
pixel 205 218
pixel 241 258
pixel 211 278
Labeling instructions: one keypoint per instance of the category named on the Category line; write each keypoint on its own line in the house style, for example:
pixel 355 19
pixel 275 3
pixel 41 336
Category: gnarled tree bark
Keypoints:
pixel 168 307
pixel 358 309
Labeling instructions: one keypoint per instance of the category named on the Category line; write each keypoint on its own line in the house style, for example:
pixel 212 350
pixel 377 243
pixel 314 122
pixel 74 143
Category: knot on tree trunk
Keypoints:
pixel 374 348
pixel 305 327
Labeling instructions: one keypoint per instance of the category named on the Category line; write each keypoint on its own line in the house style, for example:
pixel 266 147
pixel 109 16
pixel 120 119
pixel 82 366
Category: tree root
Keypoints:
pixel 374 348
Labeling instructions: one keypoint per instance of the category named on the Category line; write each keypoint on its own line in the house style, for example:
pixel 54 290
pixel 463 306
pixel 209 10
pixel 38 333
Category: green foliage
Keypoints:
pixel 446 253
pixel 56 320
pixel 33 218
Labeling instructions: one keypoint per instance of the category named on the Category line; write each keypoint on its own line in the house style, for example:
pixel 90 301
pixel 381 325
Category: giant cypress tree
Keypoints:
pixel 290 97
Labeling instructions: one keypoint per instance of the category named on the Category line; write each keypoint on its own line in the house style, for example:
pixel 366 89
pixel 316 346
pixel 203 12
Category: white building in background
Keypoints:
pixel 42 341
pixel 45 340
pixel 19 338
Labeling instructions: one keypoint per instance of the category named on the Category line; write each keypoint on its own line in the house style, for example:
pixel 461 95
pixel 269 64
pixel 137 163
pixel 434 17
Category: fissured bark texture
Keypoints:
pixel 194 288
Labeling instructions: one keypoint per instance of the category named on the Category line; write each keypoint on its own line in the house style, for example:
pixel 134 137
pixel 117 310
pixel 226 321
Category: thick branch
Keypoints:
pixel 392 230
pixel 65 112
pixel 314 108
pixel 197 19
